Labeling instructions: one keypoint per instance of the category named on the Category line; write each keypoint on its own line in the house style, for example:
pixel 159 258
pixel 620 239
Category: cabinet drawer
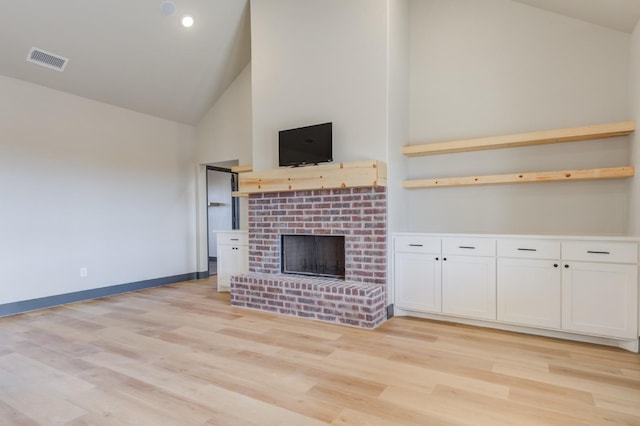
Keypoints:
pixel 416 244
pixel 600 251
pixel 529 249
pixel 469 246
pixel 233 238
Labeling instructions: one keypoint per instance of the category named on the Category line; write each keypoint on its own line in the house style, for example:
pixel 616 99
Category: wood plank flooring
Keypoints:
pixel 181 355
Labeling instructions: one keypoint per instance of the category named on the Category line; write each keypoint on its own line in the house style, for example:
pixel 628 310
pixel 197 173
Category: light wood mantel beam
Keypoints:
pixel 326 176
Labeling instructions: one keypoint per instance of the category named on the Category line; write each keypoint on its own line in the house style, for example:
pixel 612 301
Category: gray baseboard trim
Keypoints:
pixel 202 275
pixel 390 311
pixel 95 293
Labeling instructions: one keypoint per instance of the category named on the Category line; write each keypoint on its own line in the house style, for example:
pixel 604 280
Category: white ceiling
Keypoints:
pixel 125 53
pixel 620 15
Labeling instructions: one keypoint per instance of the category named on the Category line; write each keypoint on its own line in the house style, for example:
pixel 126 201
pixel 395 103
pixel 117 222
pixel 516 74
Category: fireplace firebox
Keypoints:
pixel 315 255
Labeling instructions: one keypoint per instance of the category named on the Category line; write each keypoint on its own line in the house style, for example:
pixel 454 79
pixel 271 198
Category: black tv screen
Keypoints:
pixel 305 145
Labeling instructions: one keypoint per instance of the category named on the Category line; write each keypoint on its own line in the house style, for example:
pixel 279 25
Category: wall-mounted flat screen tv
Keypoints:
pixel 305 145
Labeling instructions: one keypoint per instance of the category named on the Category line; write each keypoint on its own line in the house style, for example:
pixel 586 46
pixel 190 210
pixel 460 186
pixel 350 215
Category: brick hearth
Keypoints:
pixel 360 214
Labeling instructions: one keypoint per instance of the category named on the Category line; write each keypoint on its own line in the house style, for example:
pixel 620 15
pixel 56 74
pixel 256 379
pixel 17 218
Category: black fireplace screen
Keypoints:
pixel 318 255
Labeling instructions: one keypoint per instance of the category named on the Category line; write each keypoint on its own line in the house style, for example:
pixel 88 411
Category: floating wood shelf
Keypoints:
pixel 531 177
pixel 242 168
pixel 574 134
pixel 327 176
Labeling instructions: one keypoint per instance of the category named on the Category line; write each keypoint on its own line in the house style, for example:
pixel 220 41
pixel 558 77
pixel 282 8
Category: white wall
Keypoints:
pixel 319 61
pixel 492 67
pixel 85 184
pixel 634 158
pixel 397 110
pixel 224 133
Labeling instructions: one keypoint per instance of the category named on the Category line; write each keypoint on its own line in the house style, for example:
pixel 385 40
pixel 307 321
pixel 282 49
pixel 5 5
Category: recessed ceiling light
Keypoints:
pixel 187 21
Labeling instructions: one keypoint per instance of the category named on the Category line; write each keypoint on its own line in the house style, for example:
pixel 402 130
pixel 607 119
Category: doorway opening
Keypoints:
pixel 222 208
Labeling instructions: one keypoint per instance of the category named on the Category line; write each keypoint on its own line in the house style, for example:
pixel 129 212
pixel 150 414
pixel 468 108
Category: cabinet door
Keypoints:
pixel 600 298
pixel 232 260
pixel 529 292
pixel 417 279
pixel 242 260
pixel 226 265
pixel 469 286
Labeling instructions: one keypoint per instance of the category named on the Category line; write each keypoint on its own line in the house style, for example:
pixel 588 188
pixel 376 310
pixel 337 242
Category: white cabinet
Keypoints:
pixel 233 256
pixel 469 286
pixel 469 280
pixel 529 292
pixel 600 251
pixel 529 248
pixel 574 285
pixel 600 298
pixel 417 274
pixel 529 282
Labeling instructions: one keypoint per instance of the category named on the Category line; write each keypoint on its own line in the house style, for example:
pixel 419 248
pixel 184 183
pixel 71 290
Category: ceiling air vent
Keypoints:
pixel 47 59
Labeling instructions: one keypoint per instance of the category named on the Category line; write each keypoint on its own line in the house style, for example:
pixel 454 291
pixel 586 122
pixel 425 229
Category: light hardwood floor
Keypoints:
pixel 181 355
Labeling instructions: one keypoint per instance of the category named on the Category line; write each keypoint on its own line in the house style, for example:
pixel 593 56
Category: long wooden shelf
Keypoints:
pixel 574 134
pixel 530 177
pixel 326 176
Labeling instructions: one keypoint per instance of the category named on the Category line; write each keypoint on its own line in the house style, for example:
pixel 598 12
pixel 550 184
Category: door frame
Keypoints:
pixel 202 216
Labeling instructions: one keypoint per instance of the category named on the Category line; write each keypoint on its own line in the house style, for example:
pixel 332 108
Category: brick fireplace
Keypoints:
pixel 358 214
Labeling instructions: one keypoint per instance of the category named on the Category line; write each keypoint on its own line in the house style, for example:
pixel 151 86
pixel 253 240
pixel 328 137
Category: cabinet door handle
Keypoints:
pixel 415 245
pixel 555 265
pixel 467 247
pixel 234 239
pixel 437 258
pixel 597 252
pixel 444 258
pixel 527 249
pixel 566 266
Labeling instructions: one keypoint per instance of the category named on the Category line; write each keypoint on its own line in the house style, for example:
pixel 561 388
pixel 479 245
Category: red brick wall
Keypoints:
pixel 360 214
pixel 330 300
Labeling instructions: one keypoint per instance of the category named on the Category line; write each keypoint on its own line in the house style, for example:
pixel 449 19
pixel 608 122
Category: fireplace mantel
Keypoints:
pixel 327 176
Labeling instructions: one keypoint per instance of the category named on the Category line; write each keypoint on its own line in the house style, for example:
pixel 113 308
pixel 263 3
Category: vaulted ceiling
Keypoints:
pixel 619 15
pixel 127 53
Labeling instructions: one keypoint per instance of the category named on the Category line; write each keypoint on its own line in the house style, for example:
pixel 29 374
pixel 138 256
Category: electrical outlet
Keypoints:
pixel 83 272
